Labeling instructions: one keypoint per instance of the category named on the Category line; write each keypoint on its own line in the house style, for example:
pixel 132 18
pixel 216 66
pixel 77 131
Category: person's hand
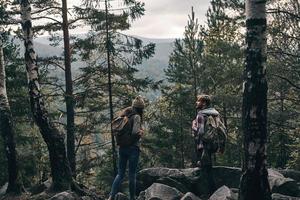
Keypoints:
pixel 194 125
pixel 141 132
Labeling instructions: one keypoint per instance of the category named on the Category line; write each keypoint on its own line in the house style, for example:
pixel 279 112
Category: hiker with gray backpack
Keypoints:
pixel 127 129
pixel 210 136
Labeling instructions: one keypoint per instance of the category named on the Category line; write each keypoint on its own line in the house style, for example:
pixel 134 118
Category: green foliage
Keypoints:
pixel 31 153
pixel 171 116
pixel 91 86
pixel 208 60
pixel 105 174
pixel 283 74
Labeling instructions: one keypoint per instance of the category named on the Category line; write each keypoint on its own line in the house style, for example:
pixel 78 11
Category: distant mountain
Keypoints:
pixel 152 68
pixel 42 49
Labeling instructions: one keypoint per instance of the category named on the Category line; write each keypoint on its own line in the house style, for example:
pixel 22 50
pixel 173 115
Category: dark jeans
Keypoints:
pixel 204 160
pixel 130 154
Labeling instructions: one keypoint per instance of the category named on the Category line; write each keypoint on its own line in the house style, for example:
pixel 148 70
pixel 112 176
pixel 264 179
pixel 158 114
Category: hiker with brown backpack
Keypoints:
pixel 210 136
pixel 127 129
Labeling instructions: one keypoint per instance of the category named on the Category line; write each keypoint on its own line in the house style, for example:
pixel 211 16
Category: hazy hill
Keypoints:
pixel 152 68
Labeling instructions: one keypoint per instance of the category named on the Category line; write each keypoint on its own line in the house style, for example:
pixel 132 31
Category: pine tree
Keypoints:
pixel 283 62
pixel 172 114
pixel 105 42
pixel 69 91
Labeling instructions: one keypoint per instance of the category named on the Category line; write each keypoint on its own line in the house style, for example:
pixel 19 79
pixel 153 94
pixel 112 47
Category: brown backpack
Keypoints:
pixel 122 130
pixel 215 133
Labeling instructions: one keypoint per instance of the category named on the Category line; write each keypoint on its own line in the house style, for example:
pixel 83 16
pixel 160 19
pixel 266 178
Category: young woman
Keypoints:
pixel 130 153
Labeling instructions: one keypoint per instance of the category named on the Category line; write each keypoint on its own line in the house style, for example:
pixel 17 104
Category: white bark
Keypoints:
pixel 3 92
pixel 255 9
pixel 28 38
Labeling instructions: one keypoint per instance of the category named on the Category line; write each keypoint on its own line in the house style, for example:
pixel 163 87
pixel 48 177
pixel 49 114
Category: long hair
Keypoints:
pixel 126 111
pixel 130 110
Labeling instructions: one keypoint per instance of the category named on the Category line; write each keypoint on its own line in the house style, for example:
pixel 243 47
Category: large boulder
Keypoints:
pixel 147 177
pixel 224 193
pixel 289 173
pixel 280 184
pixel 229 176
pixel 277 196
pixel 193 179
pixel 173 183
pixel 159 191
pixel 190 196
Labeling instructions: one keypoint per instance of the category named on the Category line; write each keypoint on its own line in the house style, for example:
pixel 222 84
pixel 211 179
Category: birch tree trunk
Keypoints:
pixel 254 182
pixel 60 168
pixel 8 132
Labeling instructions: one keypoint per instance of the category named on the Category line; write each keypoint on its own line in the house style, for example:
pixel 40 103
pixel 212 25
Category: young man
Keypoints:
pixel 204 149
pixel 130 153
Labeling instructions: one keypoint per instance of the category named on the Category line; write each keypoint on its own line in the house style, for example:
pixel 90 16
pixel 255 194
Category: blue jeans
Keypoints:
pixel 130 154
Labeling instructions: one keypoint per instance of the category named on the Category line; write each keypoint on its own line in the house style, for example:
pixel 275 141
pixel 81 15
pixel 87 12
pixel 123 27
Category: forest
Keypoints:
pixel 60 91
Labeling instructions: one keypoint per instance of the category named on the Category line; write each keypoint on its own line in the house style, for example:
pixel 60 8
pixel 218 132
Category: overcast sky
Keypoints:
pixel 165 18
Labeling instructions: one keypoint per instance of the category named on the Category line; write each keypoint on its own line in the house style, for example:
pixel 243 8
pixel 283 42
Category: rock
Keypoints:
pixel 3 189
pixel 280 184
pixel 121 196
pixel 277 196
pixel 229 176
pixel 66 195
pixel 141 196
pixel 85 198
pixel 147 177
pixel 173 183
pixel 192 178
pixel 195 181
pixel 190 196
pixel 224 193
pixel 159 191
pixel 289 173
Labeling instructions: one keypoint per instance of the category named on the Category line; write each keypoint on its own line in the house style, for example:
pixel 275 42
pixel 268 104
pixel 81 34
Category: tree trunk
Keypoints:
pixel 8 132
pixel 69 92
pixel 254 182
pixel 108 49
pixel 60 169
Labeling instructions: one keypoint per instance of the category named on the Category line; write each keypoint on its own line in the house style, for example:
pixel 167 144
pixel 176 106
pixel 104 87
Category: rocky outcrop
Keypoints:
pixel 194 180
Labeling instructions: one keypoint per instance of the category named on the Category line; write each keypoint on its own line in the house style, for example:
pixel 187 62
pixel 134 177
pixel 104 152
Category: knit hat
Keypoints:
pixel 204 97
pixel 138 102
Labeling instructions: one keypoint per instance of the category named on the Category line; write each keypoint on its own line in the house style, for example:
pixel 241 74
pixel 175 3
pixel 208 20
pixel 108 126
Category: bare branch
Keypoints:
pixel 287 80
